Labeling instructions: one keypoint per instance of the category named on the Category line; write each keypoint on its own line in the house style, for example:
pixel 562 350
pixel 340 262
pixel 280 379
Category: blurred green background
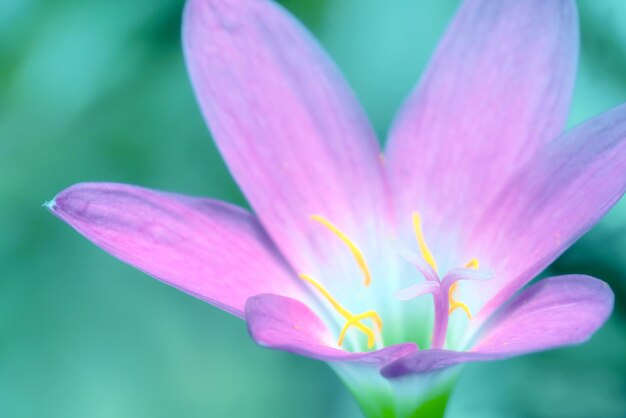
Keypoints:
pixel 96 90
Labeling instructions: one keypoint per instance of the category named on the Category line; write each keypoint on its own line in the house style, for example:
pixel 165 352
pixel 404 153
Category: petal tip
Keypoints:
pixel 66 201
pixel 62 200
pixel 50 205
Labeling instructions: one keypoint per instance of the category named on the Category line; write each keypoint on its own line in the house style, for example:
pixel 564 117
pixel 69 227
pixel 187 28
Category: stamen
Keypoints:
pixel 356 252
pixel 419 234
pixel 454 304
pixel 356 319
pixel 473 264
pixel 352 320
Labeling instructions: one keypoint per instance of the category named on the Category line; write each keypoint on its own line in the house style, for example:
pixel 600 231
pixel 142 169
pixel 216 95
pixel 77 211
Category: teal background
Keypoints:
pixel 95 90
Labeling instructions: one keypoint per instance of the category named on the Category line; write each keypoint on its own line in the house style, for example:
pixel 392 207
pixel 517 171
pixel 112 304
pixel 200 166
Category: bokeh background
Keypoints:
pixel 96 90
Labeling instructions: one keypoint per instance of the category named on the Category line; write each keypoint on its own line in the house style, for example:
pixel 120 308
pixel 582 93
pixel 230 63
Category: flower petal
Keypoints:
pixel 288 125
pixel 497 89
pixel 558 311
pixel 209 249
pixel 549 204
pixel 282 323
pixel 428 361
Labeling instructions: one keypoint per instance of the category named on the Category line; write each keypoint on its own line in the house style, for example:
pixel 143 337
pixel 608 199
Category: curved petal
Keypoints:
pixel 209 249
pixel 288 125
pixel 549 204
pixel 497 89
pixel 282 323
pixel 558 311
pixel 428 361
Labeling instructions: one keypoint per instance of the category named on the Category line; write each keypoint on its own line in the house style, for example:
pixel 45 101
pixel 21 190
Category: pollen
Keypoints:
pixel 354 249
pixel 421 241
pixel 351 319
pixel 473 264
pixel 454 304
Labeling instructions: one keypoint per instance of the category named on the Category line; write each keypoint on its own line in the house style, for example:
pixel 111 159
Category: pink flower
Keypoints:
pixel 478 192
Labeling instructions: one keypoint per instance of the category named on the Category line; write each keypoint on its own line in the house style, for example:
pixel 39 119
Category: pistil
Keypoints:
pixel 442 290
pixel 445 304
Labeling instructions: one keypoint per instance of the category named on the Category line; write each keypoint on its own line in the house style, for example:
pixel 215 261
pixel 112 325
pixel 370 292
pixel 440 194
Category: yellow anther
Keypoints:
pixel 343 311
pixel 419 235
pixel 352 320
pixel 454 304
pixel 473 264
pixel 356 319
pixel 356 252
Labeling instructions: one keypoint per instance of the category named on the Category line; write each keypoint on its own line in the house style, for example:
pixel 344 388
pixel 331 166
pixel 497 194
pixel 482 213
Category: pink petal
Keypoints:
pixel 283 323
pixel 287 124
pixel 558 311
pixel 209 249
pixel 549 204
pixel 428 361
pixel 497 89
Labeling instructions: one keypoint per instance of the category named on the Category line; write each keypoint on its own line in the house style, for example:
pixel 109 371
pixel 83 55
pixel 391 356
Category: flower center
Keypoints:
pixel 442 289
pixel 351 319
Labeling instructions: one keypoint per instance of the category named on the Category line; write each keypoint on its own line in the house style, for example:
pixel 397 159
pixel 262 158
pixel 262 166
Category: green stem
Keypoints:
pixel 413 396
pixel 434 407
pixel 387 403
